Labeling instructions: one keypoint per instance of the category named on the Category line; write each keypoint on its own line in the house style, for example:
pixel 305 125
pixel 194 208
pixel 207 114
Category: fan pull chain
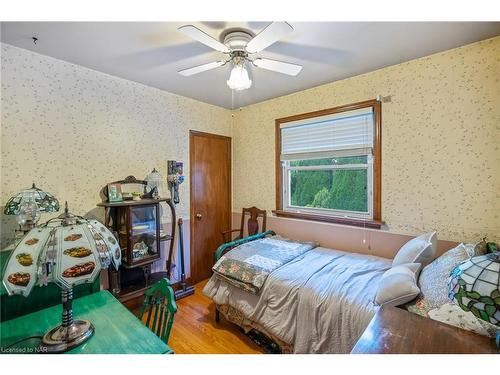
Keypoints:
pixel 232 101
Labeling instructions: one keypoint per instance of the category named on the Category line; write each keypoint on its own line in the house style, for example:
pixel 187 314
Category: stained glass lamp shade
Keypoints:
pixel 46 201
pixel 28 204
pixel 68 250
pixel 475 286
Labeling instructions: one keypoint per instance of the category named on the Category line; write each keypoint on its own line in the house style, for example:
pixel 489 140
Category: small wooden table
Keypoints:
pixel 117 330
pixel 396 331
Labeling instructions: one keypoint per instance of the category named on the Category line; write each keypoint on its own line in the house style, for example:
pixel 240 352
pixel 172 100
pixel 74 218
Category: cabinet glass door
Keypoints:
pixel 143 233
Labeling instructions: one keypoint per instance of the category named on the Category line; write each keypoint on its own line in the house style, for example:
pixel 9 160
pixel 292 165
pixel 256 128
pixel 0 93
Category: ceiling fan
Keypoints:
pixel 240 45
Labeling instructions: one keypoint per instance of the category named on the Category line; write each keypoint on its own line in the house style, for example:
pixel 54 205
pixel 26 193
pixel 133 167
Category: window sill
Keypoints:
pixel 374 224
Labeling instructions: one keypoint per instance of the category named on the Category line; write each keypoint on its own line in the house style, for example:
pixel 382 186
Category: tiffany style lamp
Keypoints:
pixel 28 204
pixel 68 250
pixel 475 286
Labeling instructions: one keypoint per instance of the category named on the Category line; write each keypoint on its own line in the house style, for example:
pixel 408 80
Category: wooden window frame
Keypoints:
pixel 376 221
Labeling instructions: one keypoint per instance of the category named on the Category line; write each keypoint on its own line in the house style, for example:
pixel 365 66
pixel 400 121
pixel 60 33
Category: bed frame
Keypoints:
pixel 236 317
pixel 229 245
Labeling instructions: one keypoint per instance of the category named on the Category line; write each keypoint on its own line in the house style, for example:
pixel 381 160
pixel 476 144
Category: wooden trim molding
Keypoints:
pixel 377 160
pixel 208 135
pixel 376 222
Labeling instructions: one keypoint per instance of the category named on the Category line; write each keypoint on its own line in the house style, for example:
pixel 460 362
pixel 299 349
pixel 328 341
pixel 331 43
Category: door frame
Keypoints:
pixel 192 134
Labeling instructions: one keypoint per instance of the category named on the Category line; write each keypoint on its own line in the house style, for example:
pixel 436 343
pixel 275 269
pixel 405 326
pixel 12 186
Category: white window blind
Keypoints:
pixel 347 133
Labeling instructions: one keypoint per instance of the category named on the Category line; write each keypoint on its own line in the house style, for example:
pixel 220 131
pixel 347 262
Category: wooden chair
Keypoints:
pixel 158 309
pixel 252 224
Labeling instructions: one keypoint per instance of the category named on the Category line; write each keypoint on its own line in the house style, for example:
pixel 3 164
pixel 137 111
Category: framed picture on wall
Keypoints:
pixel 115 192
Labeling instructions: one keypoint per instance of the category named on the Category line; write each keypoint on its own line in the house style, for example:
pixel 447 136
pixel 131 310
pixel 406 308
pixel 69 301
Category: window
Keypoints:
pixel 328 165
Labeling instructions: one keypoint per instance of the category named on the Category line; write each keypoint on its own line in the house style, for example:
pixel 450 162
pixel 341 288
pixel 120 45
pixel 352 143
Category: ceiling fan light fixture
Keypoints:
pixel 239 80
pixel 238 44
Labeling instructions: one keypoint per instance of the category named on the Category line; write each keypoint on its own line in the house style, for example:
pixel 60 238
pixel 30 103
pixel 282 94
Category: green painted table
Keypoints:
pixel 117 330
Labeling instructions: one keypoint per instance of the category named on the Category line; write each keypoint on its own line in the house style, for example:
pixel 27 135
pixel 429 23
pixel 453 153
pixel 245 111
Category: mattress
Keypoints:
pixel 320 302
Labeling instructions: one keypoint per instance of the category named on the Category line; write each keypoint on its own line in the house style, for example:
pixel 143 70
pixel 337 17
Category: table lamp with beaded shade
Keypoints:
pixel 68 250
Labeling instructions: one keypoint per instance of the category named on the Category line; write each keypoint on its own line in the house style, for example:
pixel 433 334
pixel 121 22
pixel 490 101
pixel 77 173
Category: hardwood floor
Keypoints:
pixel 195 331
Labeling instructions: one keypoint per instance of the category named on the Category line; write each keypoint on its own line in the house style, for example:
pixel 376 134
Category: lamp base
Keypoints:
pixel 61 339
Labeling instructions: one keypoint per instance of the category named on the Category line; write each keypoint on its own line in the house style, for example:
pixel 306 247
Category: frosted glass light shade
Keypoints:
pixel 238 80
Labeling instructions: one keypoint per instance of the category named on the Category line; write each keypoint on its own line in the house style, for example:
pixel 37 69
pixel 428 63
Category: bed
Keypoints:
pixel 319 302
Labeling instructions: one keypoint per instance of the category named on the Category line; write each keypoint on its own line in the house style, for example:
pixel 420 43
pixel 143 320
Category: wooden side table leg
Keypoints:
pixel 147 272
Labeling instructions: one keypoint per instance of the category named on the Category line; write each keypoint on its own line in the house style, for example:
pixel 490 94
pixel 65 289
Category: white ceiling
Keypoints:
pixel 152 52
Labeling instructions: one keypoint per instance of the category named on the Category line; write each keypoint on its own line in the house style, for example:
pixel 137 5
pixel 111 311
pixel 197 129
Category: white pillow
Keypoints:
pixel 398 285
pixel 421 249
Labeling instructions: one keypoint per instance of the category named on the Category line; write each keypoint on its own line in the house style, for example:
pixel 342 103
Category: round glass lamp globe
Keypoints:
pixel 29 212
pixel 238 80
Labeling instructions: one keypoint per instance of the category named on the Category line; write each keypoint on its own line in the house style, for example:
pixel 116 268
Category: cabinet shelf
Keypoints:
pixel 145 261
pixel 139 230
pixel 166 237
pixel 133 203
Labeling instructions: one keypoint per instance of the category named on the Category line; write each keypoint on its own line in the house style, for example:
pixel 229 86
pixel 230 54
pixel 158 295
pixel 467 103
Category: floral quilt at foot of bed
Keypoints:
pixel 248 265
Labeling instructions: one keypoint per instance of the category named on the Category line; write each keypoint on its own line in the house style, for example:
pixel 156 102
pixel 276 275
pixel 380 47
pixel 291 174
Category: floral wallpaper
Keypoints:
pixel 71 130
pixel 440 141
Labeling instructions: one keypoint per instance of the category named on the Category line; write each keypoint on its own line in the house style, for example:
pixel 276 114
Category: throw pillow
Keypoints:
pixel 398 285
pixel 421 249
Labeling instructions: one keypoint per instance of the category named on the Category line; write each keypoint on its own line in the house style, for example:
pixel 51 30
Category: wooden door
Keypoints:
pixel 210 174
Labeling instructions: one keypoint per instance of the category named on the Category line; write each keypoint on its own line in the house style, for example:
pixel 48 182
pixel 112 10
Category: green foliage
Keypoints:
pixel 342 189
pixel 322 198
pixel 306 184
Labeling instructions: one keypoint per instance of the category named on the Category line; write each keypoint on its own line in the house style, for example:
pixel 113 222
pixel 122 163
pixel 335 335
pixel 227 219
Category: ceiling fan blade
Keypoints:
pixel 200 68
pixel 202 37
pixel 271 34
pixel 278 66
